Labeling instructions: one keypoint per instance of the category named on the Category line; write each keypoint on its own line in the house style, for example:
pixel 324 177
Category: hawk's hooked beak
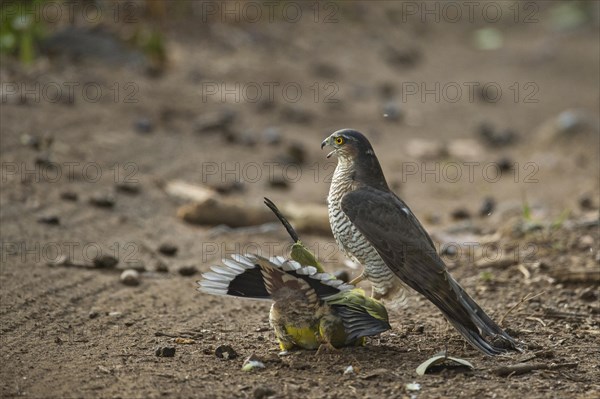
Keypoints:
pixel 327 142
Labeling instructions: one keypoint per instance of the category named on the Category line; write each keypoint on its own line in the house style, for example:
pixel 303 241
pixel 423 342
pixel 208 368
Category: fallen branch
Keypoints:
pixel 577 276
pixel 524 368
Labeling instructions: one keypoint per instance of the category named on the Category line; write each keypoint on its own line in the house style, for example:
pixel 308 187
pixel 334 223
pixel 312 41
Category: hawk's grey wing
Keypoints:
pixel 406 248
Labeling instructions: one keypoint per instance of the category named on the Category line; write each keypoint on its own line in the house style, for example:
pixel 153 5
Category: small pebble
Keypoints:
pixel 387 90
pixel 325 70
pixel 93 314
pixel 488 207
pixel 161 267
pixel 586 203
pixel 392 112
pixel 220 121
pixel 589 294
pixel 349 370
pixel 505 164
pixel 102 200
pixel 403 58
pixel 494 138
pixel 144 125
pixel 165 351
pixel 69 196
pixel 247 139
pixel 279 182
pixel 105 261
pixel 130 277
pixel 586 242
pixel 272 136
pixel 188 270
pixel 225 352
pixel 168 249
pixel 226 188
pixel 449 250
pixel 460 214
pixel 263 392
pixel 49 219
pixel 128 188
pixel 296 153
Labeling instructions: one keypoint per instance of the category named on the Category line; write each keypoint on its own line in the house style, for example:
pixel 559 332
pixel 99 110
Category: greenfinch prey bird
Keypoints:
pixel 311 309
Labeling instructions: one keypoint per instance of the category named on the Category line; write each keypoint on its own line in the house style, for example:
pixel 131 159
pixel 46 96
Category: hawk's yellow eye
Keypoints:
pixel 339 140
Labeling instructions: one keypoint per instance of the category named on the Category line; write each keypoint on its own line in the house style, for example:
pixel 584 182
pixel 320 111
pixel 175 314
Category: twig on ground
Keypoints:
pixel 523 368
pixel 526 298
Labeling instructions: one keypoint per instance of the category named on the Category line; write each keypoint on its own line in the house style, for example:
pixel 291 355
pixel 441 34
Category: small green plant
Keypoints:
pixel 486 276
pixel 20 29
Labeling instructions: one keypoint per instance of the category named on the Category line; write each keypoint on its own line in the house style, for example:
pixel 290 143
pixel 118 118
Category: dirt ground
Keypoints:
pixel 79 332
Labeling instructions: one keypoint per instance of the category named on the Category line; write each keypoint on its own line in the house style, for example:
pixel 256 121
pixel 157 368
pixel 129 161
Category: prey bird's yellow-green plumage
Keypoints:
pixel 311 309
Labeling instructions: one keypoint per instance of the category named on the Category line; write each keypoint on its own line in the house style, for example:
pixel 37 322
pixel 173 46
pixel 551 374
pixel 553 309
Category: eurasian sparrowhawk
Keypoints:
pixel 376 228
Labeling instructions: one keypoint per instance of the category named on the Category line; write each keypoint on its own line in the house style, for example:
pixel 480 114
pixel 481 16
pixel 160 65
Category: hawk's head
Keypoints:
pixel 348 144
pixel 354 150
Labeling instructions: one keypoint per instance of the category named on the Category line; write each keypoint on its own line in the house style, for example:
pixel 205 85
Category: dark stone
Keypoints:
pixel 589 294
pixel 93 314
pixel 49 219
pixel 279 182
pixel 387 90
pixel 325 70
pixel 505 164
pixel 263 392
pixel 586 203
pixel 460 214
pixel 226 188
pixel 449 250
pixel 161 267
pixel 392 112
pixel 188 270
pixel 144 125
pixel 296 153
pixel 44 160
pixel 168 249
pixel 69 196
pixel 128 188
pixel 403 58
pixel 487 207
pixel 102 200
pixel 220 121
pixel 494 138
pixel 105 261
pixel 272 136
pixel 165 351
pixel 225 352
pixel 247 139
